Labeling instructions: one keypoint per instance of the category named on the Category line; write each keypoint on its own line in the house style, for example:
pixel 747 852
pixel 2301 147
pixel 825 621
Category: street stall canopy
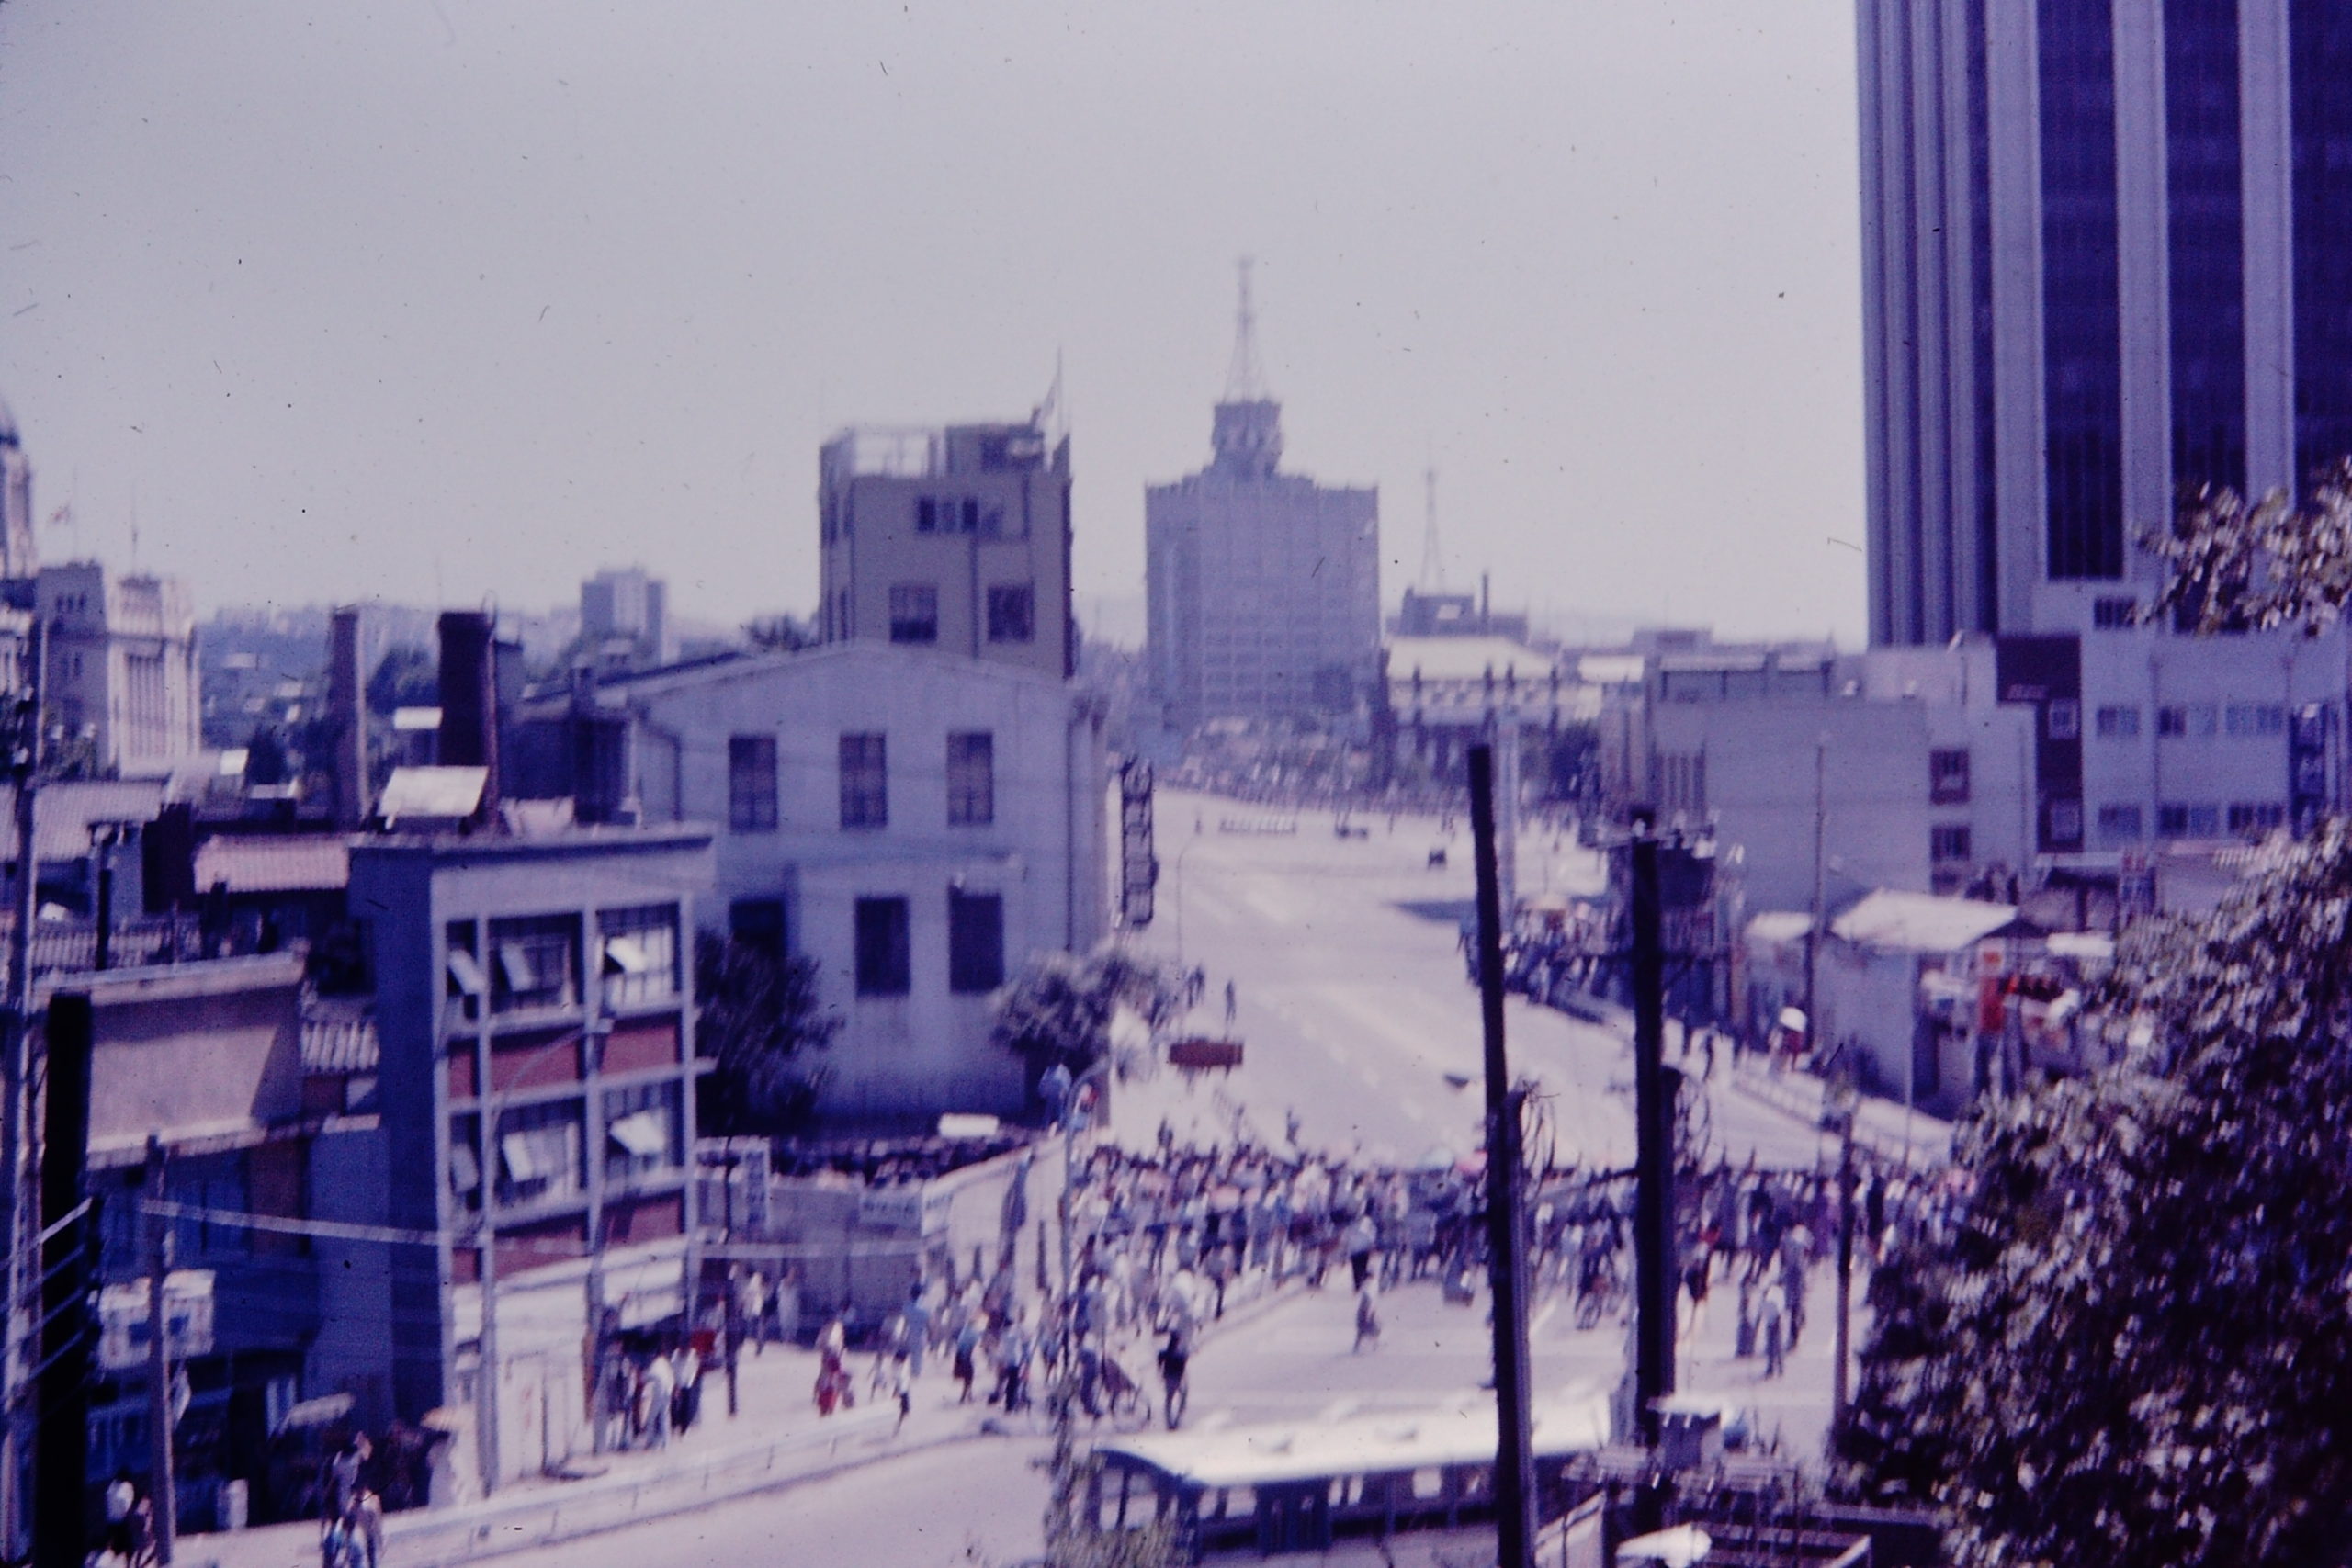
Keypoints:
pixel 1923 922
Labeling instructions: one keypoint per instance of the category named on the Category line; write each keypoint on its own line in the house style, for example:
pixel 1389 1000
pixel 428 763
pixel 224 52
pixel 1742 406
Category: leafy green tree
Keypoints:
pixel 2134 1342
pixel 759 1016
pixel 2235 565
pixel 1059 1007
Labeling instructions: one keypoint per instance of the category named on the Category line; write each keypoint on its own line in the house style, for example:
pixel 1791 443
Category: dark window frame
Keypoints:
pixel 914 614
pixel 1013 611
pixel 1948 775
pixel 882 936
pixel 864 780
pixel 975 943
pixel 752 783
pixel 971 778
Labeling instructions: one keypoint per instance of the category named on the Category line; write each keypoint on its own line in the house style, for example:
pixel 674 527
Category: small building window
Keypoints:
pixel 2065 719
pixel 2118 824
pixel 1012 613
pixel 865 782
pixel 2252 719
pixel 535 963
pixel 538 1153
pixel 884 968
pixel 758 922
pixel 2066 822
pixel 914 613
pixel 642 1131
pixel 640 954
pixel 750 783
pixel 2118 723
pixel 2261 816
pixel 1948 776
pixel 2115 614
pixel 1946 844
pixel 975 942
pixel 2171 722
pixel 2189 821
pixel 971 778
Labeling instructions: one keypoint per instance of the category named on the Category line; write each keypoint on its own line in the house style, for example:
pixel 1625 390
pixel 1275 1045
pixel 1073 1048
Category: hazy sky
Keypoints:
pixel 438 301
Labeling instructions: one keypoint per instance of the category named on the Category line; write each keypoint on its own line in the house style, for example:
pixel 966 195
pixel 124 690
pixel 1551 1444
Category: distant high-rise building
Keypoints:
pixel 1264 586
pixel 625 619
pixel 954 538
pixel 2107 255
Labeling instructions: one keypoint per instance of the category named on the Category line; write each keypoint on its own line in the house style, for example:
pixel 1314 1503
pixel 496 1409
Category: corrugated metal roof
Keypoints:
pixel 339 1039
pixel 65 811
pixel 1921 922
pixel 282 862
pixel 432 793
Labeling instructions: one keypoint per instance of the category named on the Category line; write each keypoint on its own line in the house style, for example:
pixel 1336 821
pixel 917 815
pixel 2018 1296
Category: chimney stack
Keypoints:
pixel 346 710
pixel 470 698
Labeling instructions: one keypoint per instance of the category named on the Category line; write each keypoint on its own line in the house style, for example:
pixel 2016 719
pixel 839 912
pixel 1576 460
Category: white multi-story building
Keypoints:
pixel 918 822
pixel 957 539
pixel 1263 586
pixel 120 665
pixel 1897 769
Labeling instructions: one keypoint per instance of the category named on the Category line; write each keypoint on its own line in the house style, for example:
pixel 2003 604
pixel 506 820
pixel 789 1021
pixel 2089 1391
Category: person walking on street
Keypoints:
pixel 1175 1360
pixel 754 1305
pixel 658 1389
pixel 1363 1236
pixel 1367 1320
pixel 967 1345
pixel 1772 1327
pixel 917 1318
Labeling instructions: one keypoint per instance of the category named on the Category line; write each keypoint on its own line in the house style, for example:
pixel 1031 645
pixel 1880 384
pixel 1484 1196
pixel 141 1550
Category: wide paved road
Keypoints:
pixel 1352 1002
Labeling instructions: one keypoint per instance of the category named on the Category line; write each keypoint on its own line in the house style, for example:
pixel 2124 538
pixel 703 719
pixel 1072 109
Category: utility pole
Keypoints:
pixel 486 1100
pixel 161 1489
pixel 16 1113
pixel 1653 1260
pixel 1514 1445
pixel 62 1389
pixel 1813 932
pixel 1838 1388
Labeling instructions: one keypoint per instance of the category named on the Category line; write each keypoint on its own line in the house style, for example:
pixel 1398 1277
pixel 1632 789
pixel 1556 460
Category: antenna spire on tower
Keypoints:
pixel 1245 379
pixel 1432 559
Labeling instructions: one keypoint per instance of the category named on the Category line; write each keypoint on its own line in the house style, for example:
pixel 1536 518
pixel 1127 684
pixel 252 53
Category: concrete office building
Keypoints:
pixel 2105 253
pixel 543 982
pixel 1263 586
pixel 918 822
pixel 121 665
pixel 625 619
pixel 956 539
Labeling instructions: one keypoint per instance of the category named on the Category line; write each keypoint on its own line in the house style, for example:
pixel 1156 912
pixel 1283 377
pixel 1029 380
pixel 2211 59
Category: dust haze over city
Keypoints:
pixel 1097 787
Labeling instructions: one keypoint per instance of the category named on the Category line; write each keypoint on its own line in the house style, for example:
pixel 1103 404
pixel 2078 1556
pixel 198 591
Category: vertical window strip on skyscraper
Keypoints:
pixel 2205 242
pixel 2082 389
pixel 2320 67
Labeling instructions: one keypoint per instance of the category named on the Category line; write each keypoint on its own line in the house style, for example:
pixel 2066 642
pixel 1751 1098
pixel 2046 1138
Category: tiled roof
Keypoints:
pixel 289 862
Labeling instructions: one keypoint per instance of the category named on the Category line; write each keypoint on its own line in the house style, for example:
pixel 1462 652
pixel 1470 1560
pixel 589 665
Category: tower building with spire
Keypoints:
pixel 1263 586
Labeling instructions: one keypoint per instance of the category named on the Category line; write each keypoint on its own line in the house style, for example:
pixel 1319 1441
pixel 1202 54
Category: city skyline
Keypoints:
pixel 435 305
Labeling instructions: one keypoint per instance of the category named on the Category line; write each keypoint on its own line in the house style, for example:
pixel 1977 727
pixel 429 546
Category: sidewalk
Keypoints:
pixel 777 1440
pixel 1885 1129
